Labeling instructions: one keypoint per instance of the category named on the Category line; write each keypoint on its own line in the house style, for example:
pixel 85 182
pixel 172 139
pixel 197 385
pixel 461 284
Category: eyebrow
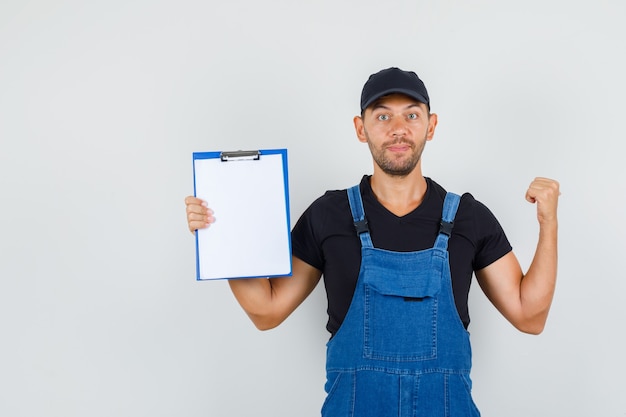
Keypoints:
pixel 379 105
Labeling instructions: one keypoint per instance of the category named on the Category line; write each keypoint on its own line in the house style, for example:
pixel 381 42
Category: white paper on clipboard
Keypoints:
pixel 249 194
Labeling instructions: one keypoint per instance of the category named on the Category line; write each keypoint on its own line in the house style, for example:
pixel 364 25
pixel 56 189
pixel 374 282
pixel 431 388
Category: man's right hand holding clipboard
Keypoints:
pixel 268 302
pixel 199 215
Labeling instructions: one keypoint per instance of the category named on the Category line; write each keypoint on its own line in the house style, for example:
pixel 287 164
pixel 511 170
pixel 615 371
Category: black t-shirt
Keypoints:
pixel 325 237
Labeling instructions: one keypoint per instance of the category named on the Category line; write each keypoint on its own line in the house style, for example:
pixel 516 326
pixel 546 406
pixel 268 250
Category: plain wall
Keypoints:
pixel 103 102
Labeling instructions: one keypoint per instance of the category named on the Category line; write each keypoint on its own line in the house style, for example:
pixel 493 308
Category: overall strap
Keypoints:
pixel 358 215
pixel 450 206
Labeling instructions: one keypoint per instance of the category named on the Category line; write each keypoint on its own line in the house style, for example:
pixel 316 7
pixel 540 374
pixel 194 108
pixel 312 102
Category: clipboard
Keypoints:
pixel 249 194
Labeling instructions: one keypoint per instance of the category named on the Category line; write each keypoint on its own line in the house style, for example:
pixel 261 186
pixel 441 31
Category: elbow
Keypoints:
pixel 534 330
pixel 532 323
pixel 263 326
pixel 533 327
pixel 264 323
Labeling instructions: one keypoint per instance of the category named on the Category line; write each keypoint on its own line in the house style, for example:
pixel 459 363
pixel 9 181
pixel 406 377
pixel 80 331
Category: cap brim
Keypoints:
pixel 384 93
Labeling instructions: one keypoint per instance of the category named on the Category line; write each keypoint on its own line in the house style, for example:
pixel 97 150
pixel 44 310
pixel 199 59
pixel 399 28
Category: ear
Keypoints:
pixel 360 129
pixel 432 124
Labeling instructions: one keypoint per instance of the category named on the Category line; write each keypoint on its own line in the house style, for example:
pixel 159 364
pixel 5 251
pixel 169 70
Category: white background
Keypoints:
pixel 103 102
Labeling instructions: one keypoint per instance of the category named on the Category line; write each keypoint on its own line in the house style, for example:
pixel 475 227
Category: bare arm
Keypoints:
pixel 268 302
pixel 525 299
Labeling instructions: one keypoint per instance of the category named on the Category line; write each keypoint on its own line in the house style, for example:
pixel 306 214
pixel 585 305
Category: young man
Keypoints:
pixel 397 254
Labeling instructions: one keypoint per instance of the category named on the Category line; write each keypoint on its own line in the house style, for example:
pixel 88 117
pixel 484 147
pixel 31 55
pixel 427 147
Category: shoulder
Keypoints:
pixel 475 210
pixel 327 213
pixel 469 206
pixel 330 197
pixel 331 202
pixel 476 223
pixel 326 218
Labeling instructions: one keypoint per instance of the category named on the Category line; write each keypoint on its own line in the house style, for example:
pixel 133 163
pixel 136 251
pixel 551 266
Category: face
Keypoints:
pixel 396 129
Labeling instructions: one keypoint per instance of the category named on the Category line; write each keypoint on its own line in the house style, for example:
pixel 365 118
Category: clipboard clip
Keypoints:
pixel 240 156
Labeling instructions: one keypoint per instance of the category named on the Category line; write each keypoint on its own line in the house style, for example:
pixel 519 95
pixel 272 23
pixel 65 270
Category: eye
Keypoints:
pixel 383 117
pixel 412 116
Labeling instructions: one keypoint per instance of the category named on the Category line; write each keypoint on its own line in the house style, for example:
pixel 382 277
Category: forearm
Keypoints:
pixel 538 284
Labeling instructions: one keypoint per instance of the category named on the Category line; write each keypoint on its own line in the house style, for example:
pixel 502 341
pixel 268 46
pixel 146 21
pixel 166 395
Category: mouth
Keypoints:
pixel 399 147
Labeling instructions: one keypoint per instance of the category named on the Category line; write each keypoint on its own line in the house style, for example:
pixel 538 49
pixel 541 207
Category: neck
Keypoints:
pixel 399 195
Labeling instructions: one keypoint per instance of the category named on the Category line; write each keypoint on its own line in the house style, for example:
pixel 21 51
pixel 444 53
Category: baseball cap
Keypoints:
pixel 393 80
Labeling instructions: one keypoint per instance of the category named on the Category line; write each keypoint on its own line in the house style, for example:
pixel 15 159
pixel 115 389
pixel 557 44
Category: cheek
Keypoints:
pixel 375 130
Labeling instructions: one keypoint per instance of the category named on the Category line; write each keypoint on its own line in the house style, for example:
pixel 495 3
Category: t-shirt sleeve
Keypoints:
pixel 304 244
pixel 492 243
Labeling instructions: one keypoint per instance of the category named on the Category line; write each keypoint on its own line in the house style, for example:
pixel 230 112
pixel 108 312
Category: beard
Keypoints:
pixel 393 165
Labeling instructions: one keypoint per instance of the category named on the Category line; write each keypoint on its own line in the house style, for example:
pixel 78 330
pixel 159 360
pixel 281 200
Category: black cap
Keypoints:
pixel 390 81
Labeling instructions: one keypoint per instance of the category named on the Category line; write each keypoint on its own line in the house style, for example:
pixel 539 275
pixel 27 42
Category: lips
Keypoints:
pixel 399 147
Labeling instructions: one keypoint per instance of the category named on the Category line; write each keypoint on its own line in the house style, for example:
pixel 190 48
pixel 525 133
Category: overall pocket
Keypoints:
pixel 340 394
pixel 460 396
pixel 400 322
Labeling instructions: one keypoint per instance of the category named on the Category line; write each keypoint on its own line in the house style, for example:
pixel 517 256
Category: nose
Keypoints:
pixel 398 127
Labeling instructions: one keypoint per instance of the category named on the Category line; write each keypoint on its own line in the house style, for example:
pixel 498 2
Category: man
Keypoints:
pixel 397 253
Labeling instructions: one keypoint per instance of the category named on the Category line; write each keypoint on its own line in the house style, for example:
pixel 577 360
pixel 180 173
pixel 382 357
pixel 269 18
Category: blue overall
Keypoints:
pixel 401 350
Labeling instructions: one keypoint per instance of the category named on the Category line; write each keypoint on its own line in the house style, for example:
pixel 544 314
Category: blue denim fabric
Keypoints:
pixel 402 350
